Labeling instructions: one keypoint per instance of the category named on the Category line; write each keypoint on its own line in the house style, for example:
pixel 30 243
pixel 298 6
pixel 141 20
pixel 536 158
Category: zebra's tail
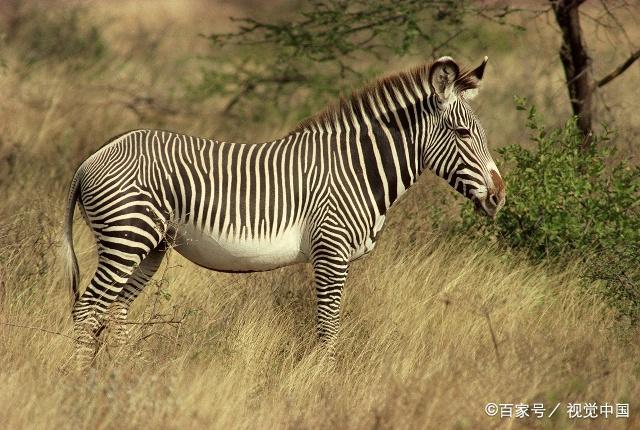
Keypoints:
pixel 69 254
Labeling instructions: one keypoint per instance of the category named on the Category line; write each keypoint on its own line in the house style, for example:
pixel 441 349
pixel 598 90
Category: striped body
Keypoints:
pixel 227 206
pixel 318 195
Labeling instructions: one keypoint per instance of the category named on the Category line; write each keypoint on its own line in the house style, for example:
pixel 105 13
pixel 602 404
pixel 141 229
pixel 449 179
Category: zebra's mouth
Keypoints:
pixel 481 208
pixel 478 205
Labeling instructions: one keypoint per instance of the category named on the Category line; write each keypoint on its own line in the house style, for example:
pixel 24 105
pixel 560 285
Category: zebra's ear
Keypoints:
pixel 470 82
pixel 478 72
pixel 442 77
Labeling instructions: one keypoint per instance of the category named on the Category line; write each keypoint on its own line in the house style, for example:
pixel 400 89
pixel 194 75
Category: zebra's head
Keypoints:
pixel 456 148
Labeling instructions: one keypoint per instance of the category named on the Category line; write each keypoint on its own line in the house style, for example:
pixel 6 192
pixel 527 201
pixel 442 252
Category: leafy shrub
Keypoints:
pixel 619 272
pixel 561 199
pixel 564 201
pixel 61 35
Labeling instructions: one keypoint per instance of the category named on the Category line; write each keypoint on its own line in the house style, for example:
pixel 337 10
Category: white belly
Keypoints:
pixel 233 254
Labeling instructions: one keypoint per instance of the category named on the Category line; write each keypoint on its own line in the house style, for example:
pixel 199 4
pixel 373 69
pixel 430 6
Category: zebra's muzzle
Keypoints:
pixel 478 206
pixel 487 206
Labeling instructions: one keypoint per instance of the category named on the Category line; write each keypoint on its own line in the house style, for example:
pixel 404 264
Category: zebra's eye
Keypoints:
pixel 463 133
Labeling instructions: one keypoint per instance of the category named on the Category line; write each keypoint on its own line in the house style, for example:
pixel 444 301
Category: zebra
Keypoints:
pixel 318 195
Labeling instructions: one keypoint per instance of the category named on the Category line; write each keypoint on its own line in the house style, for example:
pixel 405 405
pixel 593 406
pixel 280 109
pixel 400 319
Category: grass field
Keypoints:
pixel 416 350
pixel 434 327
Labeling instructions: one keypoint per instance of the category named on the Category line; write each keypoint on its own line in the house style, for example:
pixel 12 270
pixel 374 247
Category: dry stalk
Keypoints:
pixel 494 340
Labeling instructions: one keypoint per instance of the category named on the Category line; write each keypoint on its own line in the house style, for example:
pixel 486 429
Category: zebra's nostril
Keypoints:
pixel 493 199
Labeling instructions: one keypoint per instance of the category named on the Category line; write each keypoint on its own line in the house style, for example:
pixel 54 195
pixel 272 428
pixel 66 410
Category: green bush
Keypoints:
pixel 618 271
pixel 563 200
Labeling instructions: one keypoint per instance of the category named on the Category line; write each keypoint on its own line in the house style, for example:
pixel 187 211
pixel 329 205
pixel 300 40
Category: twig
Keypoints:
pixel 154 333
pixel 436 48
pixel 180 321
pixel 39 329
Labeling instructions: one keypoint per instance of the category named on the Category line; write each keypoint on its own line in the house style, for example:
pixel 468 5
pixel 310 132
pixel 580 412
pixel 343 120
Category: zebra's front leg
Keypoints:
pixel 330 275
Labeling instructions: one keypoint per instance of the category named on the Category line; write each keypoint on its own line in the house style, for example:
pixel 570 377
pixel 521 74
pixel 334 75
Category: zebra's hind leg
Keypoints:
pixel 119 310
pixel 90 310
pixel 116 264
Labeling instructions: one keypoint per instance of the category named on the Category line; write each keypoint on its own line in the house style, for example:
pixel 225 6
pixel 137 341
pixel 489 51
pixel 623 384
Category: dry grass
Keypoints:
pixel 416 350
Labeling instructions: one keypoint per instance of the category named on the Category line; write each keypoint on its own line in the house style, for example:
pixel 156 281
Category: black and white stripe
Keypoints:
pixel 319 194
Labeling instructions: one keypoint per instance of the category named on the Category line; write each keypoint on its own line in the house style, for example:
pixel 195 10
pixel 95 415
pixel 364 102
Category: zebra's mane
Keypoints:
pixel 415 77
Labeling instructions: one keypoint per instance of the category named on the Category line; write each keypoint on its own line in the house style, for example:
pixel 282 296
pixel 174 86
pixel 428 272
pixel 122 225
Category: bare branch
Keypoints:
pixel 446 42
pixel 609 12
pixel 619 70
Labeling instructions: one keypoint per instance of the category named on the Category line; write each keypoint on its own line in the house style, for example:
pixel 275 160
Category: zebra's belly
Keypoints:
pixel 233 254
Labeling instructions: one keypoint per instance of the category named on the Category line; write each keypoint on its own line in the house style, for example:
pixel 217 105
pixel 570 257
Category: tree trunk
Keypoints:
pixel 576 63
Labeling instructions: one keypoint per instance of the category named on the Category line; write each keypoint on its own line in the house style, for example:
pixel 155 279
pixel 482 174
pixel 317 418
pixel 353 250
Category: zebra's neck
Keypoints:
pixel 378 142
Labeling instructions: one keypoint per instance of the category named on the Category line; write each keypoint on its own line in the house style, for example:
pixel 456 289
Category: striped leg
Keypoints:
pixel 119 309
pixel 90 310
pixel 330 275
pixel 117 261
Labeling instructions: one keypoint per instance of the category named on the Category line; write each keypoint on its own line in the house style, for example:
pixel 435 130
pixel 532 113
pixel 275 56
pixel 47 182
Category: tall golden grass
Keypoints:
pixel 433 327
pixel 417 349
